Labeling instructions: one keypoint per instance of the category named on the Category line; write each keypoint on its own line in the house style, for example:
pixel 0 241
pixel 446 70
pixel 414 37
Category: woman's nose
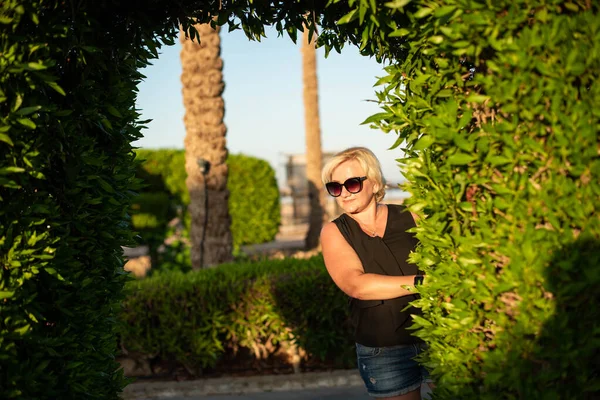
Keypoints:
pixel 345 193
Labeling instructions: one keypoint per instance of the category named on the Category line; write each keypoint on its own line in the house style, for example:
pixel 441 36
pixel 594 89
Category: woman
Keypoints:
pixel 365 252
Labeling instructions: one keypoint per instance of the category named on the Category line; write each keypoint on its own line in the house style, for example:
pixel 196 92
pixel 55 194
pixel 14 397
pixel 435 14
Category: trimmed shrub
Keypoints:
pixel 262 309
pixel 253 200
pixel 164 171
pixel 151 211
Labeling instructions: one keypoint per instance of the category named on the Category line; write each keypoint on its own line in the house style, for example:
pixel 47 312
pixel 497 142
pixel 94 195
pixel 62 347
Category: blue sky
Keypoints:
pixel 263 101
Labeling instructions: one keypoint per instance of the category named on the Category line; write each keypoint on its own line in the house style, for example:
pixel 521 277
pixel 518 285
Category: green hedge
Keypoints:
pixel 164 171
pixel 151 211
pixel 66 123
pixel 68 84
pixel 253 201
pixel 496 107
pixel 201 318
pixel 496 103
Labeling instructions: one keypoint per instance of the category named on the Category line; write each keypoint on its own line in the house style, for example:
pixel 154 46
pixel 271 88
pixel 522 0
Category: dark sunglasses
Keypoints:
pixel 352 185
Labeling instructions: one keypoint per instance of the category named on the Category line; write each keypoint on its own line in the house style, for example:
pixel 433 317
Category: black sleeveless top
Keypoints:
pixel 380 323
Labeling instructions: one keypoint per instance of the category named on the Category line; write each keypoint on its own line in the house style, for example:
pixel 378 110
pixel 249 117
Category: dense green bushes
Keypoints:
pixel 495 101
pixel 253 201
pixel 263 309
pixel 67 98
pixel 496 104
pixel 65 175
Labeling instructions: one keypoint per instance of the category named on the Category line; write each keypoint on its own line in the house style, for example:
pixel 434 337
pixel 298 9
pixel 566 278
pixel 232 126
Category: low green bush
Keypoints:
pixel 263 309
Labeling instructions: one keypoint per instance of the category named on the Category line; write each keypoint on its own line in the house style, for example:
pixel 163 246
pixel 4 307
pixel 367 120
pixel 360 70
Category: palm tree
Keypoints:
pixel 314 158
pixel 205 148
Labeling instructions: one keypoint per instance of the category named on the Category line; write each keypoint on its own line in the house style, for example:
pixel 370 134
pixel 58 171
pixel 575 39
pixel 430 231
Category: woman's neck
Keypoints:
pixel 367 218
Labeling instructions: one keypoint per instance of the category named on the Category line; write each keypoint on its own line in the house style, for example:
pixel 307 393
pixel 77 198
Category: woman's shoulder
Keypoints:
pixel 341 226
pixel 328 228
pixel 331 232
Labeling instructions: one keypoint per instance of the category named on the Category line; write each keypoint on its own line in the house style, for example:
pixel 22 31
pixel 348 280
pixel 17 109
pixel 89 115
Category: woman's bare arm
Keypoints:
pixel 347 271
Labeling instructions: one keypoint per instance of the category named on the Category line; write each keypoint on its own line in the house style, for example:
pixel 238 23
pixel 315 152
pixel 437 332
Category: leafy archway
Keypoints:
pixel 494 103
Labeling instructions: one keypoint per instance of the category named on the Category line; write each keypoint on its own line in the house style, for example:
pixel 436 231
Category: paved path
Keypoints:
pixel 332 385
pixel 350 393
pixel 340 383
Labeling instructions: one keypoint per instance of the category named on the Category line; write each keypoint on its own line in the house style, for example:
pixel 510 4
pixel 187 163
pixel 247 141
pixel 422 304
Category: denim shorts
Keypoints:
pixel 391 371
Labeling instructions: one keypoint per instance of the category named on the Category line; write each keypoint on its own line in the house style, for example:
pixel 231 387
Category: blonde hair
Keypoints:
pixel 367 160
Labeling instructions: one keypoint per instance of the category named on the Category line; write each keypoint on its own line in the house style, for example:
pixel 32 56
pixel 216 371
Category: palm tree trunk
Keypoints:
pixel 202 80
pixel 314 158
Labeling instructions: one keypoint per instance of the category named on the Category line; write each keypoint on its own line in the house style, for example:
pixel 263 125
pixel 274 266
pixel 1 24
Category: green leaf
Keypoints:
pixel 362 11
pixel 90 49
pixel 373 4
pixel 351 16
pixel 11 170
pixel 463 143
pixel 6 294
pixel 477 98
pixel 436 39
pixel 423 12
pixel 63 113
pixel 444 10
pixel 106 123
pixel 460 159
pixel 397 143
pixel 399 32
pixel 385 79
pixel 114 111
pixel 55 86
pixel 397 3
pixel 18 102
pixel 26 122
pixel 459 44
pixel 37 66
pixel 9 183
pixel 28 110
pixel 23 330
pixel 376 118
pixel 54 273
pixel 466 206
pixel 572 6
pixel 6 139
pixel 424 142
pixel 498 160
pixel 105 185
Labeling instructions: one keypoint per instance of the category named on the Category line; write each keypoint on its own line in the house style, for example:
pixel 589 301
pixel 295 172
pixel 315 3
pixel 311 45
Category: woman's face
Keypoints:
pixel 353 202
